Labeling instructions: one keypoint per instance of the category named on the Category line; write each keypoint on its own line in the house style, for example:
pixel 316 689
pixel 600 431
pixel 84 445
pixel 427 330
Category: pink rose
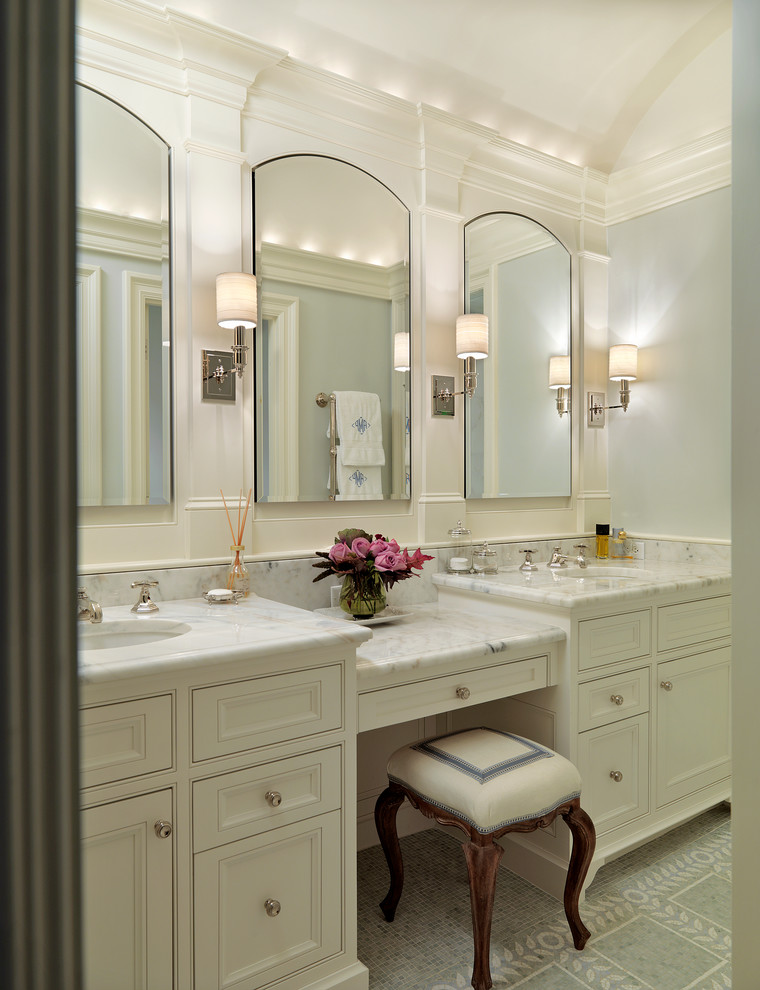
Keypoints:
pixel 392 545
pixel 378 546
pixel 361 547
pixel 339 552
pixel 390 561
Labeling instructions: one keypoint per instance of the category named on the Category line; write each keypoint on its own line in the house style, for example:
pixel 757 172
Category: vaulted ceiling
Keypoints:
pixel 600 83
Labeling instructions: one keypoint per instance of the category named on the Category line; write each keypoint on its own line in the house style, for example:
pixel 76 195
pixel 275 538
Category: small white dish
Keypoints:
pixel 222 596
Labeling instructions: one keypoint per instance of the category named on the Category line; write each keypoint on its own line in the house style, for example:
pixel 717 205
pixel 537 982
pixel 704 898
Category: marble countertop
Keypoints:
pixel 256 627
pixel 437 636
pixel 601 583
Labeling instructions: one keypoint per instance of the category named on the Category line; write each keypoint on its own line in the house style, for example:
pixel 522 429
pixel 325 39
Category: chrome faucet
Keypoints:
pixel 581 558
pixel 87 610
pixel 144 604
pixel 528 564
pixel 557 559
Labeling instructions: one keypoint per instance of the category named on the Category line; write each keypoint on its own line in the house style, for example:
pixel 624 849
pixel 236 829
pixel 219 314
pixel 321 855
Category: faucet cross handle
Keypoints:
pixel 528 564
pixel 144 604
pixel 581 558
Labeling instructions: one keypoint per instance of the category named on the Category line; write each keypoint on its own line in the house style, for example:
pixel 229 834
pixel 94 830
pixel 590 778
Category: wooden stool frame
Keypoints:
pixel 483 855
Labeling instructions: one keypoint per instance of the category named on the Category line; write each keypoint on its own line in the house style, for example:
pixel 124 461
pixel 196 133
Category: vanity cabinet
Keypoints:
pixel 217 851
pixel 642 707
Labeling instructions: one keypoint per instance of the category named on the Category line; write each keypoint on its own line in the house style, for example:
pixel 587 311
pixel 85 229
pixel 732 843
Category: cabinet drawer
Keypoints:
pixel 389 706
pixel 603 754
pixel 611 699
pixel 235 805
pixel 231 718
pixel 613 639
pixel 693 622
pixel 125 740
pixel 237 941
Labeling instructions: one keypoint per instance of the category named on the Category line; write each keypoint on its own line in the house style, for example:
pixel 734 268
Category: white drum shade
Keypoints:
pixel 236 304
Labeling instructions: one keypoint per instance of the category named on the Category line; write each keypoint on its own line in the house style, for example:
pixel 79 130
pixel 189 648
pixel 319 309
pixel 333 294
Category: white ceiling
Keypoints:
pixel 602 83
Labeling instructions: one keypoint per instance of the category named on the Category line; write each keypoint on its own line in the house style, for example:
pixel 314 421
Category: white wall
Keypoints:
pixel 670 293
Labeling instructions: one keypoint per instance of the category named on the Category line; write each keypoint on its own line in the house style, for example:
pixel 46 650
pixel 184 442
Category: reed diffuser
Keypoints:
pixel 237 576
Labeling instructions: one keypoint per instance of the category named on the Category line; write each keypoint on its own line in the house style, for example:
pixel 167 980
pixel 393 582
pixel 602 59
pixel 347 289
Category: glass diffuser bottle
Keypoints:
pixel 237 576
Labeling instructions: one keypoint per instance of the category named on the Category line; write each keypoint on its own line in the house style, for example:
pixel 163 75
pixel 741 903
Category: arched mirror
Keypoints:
pixel 123 306
pixel 517 445
pixel 332 265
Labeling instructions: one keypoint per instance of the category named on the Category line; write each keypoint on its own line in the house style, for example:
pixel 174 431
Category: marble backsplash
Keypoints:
pixel 291 580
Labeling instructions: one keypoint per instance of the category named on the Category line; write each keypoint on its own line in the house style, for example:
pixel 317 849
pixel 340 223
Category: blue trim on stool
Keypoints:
pixel 484 774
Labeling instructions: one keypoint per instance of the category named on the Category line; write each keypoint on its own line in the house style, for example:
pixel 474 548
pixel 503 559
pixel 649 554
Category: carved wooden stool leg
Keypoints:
pixel 386 809
pixel 482 866
pixel 584 843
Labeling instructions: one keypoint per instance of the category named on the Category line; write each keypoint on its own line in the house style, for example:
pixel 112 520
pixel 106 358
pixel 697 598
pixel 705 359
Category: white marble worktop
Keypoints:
pixel 600 583
pixel 253 628
pixel 434 636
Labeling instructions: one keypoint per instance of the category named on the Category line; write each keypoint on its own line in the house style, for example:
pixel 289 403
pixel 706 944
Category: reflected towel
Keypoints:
pixel 360 428
pixel 358 482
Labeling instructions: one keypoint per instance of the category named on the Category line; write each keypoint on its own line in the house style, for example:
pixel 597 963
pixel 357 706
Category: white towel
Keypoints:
pixel 358 482
pixel 359 426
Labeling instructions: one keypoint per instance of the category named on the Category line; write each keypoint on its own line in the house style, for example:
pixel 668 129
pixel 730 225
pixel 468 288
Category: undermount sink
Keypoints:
pixel 595 571
pixel 126 632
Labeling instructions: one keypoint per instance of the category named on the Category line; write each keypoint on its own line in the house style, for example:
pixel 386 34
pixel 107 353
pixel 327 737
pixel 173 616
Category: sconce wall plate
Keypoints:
pixel 595 408
pixel 221 389
pixel 443 405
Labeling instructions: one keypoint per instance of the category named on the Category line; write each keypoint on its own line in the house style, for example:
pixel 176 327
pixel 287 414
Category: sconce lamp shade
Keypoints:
pixel 472 336
pixel 401 360
pixel 623 363
pixel 236 300
pixel 559 371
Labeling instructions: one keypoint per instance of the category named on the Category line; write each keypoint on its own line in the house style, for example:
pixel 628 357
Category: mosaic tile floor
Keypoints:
pixel 659 919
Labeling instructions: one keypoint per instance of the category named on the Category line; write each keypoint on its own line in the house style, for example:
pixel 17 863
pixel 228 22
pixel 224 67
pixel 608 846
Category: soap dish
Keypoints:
pixel 222 596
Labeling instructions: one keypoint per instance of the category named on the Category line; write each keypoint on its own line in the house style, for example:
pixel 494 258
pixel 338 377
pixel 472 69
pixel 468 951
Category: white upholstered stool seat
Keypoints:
pixel 490 779
pixel 486 783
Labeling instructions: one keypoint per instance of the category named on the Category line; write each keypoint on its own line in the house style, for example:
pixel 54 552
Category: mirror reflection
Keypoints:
pixel 332 263
pixel 123 306
pixel 518 274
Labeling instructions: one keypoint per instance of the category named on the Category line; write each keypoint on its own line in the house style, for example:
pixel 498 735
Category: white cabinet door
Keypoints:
pixel 614 765
pixel 693 723
pixel 268 906
pixel 127 895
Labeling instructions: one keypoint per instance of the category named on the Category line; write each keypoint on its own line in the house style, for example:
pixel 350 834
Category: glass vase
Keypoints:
pixel 237 576
pixel 362 598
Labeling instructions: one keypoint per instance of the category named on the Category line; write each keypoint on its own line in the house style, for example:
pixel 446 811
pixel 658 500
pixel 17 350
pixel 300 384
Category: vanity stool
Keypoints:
pixel 486 783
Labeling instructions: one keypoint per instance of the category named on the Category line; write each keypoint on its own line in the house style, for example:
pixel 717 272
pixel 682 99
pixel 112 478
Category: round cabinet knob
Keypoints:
pixel 617 699
pixel 272 907
pixel 666 685
pixel 274 798
pixel 463 693
pixel 616 775
pixel 162 829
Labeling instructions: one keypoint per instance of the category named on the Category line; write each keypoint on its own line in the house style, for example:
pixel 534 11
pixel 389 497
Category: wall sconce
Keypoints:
pixel 559 379
pixel 623 368
pixel 472 346
pixel 401 352
pixel 236 309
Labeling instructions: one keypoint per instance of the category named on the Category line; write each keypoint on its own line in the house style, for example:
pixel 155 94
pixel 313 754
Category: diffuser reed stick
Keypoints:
pixel 237 579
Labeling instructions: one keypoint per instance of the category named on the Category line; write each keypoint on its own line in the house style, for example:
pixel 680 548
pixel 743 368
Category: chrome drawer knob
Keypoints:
pixel 666 685
pixel 274 798
pixel 463 693
pixel 617 699
pixel 162 829
pixel 272 907
pixel 616 775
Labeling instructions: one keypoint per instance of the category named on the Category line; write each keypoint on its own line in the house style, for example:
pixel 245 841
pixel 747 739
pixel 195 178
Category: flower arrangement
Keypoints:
pixel 369 566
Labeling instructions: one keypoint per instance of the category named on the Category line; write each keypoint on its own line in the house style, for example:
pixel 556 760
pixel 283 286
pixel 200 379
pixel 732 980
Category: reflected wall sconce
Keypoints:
pixel 623 368
pixel 559 380
pixel 472 346
pixel 401 352
pixel 237 310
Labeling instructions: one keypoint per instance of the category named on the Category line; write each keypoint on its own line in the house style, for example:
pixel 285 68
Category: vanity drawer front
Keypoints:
pixel 614 766
pixel 235 805
pixel 125 740
pixel 389 706
pixel 611 699
pixel 232 718
pixel 241 939
pixel 614 639
pixel 693 622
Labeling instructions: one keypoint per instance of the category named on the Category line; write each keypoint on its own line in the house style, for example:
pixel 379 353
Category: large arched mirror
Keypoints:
pixel 123 306
pixel 517 445
pixel 332 265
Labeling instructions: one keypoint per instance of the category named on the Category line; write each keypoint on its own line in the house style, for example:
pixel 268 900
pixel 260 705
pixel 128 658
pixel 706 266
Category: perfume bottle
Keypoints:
pixel 602 541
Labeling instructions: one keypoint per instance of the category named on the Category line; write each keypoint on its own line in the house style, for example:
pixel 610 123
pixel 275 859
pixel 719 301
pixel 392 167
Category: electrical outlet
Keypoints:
pixel 636 549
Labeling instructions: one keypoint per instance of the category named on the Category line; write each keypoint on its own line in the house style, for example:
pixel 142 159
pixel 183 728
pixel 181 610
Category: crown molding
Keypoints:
pixel 696 168
pixel 285 264
pixel 111 233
